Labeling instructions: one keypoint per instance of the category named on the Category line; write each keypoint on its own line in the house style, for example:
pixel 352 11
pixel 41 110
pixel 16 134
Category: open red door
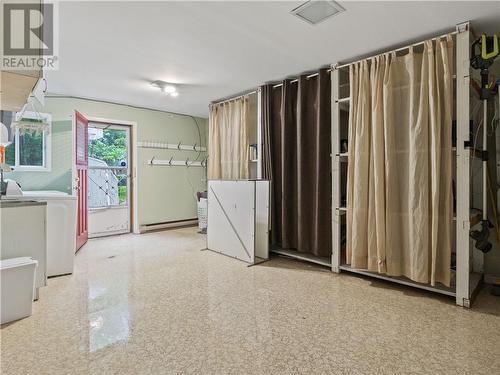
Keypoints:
pixel 82 164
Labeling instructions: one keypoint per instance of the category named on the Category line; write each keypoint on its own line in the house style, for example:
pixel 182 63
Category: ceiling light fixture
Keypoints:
pixel 169 89
pixel 166 88
pixel 314 11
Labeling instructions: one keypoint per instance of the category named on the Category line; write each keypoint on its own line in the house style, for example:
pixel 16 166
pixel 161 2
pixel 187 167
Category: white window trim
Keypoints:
pixel 47 146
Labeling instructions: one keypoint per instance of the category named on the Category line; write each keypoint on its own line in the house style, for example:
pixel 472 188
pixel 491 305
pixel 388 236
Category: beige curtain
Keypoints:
pixel 228 140
pixel 399 194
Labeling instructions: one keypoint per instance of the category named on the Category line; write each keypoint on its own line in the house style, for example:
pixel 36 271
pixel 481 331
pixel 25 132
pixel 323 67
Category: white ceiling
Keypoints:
pixel 112 50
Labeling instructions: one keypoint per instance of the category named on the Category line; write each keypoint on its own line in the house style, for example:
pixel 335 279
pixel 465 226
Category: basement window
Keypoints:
pixel 30 149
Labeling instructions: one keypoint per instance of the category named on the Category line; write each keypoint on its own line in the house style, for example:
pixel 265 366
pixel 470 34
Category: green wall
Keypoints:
pixel 164 193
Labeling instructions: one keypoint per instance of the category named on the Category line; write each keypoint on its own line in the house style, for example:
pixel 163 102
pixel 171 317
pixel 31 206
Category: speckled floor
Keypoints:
pixel 156 304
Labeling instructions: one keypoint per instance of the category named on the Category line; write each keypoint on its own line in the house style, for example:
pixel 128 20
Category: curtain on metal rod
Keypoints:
pixel 228 146
pixel 399 194
pixel 296 122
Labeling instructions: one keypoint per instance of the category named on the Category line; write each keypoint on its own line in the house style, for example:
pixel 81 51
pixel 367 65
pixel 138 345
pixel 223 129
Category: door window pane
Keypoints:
pixel 108 145
pixel 108 167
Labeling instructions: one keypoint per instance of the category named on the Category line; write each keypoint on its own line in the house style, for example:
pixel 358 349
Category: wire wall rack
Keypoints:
pixel 171 146
pixel 177 163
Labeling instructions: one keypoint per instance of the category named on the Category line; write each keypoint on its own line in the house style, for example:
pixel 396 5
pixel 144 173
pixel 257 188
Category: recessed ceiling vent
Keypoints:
pixel 314 12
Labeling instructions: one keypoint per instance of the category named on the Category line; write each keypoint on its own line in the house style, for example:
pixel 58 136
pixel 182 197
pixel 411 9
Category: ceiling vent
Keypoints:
pixel 314 12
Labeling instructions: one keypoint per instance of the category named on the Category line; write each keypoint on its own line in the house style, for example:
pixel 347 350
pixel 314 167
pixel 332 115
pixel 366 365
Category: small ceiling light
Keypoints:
pixel 165 87
pixel 315 11
pixel 168 89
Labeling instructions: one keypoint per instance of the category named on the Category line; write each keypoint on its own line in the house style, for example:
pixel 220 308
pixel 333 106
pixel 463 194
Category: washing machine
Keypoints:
pixel 61 228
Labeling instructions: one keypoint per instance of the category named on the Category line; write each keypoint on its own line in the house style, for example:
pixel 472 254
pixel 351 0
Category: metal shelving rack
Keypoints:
pixel 469 260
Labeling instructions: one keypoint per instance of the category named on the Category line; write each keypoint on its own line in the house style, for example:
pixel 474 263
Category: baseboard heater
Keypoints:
pixel 492 279
pixel 167 225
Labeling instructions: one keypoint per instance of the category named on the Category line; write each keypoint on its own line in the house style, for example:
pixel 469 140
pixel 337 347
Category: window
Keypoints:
pixel 30 148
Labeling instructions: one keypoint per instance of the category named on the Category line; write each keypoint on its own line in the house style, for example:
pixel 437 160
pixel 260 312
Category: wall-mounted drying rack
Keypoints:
pixel 171 146
pixel 177 163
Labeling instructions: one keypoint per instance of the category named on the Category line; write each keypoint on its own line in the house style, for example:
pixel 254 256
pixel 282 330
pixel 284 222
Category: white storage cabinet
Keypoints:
pixel 238 219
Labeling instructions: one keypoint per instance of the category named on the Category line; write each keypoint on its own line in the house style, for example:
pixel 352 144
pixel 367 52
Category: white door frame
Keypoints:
pixel 133 166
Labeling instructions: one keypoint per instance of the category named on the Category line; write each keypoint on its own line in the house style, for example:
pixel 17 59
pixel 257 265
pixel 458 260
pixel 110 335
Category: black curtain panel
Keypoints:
pixel 297 117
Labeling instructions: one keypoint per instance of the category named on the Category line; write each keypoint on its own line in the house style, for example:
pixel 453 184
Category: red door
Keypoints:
pixel 82 164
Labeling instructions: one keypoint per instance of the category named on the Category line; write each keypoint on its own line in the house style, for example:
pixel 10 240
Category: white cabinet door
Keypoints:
pixel 23 234
pixel 231 218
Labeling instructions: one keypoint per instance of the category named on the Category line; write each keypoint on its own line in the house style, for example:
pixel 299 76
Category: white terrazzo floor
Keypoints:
pixel 156 304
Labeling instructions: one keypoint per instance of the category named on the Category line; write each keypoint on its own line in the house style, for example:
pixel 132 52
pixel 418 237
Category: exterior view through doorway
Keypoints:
pixel 108 179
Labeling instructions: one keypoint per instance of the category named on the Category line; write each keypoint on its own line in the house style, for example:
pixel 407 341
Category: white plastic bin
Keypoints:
pixel 17 288
pixel 202 214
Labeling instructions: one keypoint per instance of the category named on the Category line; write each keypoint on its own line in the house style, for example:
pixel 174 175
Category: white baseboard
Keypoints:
pixel 169 225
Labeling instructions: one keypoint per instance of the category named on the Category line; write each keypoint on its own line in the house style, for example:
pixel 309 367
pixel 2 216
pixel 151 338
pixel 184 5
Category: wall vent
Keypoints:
pixel 315 11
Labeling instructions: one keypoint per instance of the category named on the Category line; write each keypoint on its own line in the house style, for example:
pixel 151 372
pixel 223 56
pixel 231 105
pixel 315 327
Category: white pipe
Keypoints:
pixel 297 80
pixel 485 162
pixel 259 135
pixel 395 50
pixel 234 97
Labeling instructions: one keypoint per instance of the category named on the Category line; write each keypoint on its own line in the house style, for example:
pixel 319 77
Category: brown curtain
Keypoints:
pixel 399 202
pixel 298 120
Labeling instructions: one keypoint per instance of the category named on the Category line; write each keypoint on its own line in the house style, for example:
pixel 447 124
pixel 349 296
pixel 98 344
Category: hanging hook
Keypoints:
pixel 152 160
pixel 194 147
pixel 187 162
pixel 170 161
pixel 179 146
